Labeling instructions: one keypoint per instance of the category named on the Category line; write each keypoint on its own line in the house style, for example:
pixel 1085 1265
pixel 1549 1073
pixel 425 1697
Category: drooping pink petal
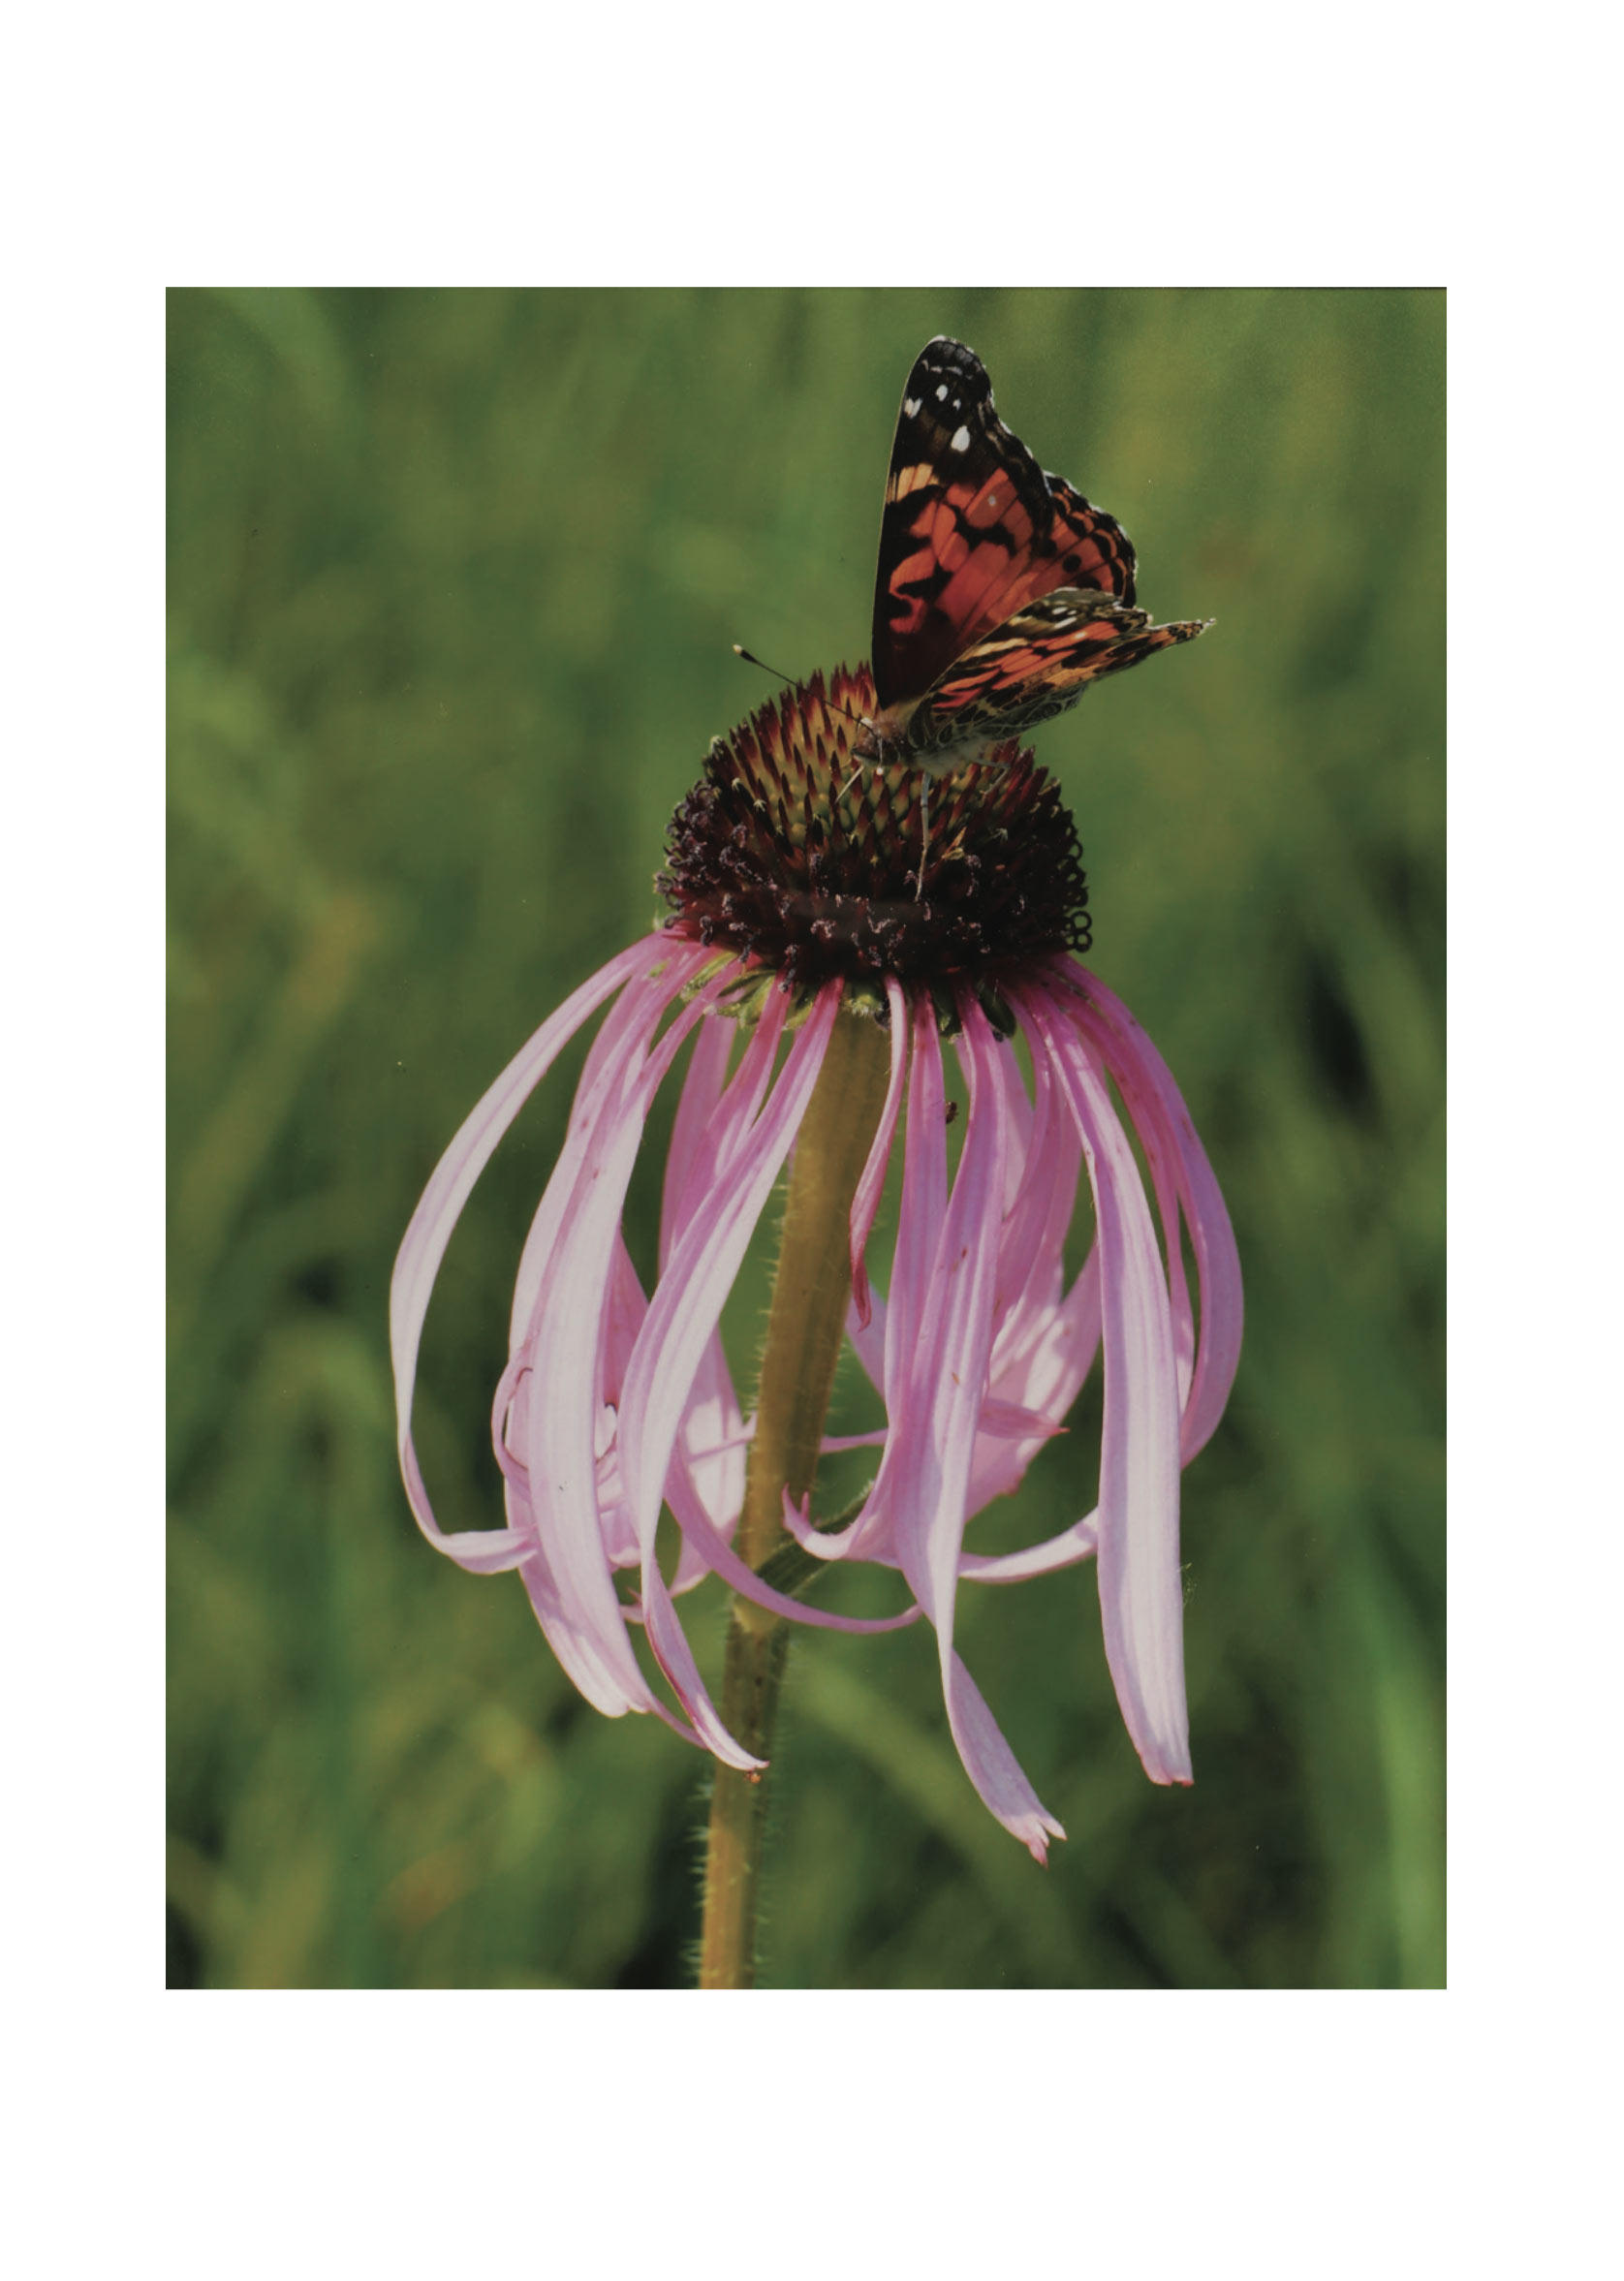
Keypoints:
pixel 937 1389
pixel 901 1323
pixel 924 1197
pixel 1043 1160
pixel 610 1075
pixel 1043 1345
pixel 556 1409
pixel 994 1769
pixel 1078 1542
pixel 720 1559
pixel 424 1246
pixel 1140 1588
pixel 1157 1108
pixel 713 1442
pixel 701 1089
pixel 866 1201
pixel 944 1383
pixel 684 1312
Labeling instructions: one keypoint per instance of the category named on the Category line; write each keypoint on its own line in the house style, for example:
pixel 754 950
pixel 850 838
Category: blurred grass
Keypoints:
pixel 453 581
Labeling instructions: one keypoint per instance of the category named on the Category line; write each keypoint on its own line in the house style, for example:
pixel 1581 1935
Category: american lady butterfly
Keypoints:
pixel 1001 592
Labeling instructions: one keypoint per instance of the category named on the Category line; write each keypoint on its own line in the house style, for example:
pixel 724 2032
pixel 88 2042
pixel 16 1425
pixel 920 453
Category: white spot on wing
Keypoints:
pixel 961 439
pixel 911 405
pixel 941 391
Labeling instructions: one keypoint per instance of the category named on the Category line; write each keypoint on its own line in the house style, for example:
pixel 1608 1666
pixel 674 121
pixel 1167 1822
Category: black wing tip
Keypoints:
pixel 942 353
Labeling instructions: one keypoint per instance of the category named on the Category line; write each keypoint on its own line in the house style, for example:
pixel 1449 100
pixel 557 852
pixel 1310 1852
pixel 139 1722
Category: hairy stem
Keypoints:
pixel 804 1327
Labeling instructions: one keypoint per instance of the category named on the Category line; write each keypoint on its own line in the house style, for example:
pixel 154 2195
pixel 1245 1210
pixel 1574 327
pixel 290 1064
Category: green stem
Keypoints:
pixel 804 1326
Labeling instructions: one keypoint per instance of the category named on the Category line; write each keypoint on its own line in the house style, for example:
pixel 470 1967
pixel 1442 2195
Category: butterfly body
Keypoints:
pixel 1001 592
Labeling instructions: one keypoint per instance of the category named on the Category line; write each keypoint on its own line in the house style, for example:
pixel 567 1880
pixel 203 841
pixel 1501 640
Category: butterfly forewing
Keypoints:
pixel 972 529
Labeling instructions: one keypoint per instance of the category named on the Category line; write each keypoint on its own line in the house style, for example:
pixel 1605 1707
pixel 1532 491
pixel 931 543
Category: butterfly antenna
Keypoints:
pixel 751 658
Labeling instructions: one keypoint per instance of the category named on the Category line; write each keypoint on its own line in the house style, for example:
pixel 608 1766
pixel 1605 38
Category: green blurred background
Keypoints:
pixel 454 581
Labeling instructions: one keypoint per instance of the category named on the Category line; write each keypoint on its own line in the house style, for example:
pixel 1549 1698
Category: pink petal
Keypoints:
pixel 613 1063
pixel 1080 1542
pixel 1157 1108
pixel 993 1768
pixel 713 1441
pixel 1141 1589
pixel 867 1201
pixel 424 1246
pixel 939 1400
pixel 701 1089
pixel 556 1407
pixel 687 1305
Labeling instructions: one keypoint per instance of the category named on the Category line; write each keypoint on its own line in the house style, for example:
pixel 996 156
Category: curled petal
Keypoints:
pixel 993 1768
pixel 937 1407
pixel 1080 1542
pixel 616 1402
pixel 423 1245
pixel 1157 1108
pixel 556 1408
pixel 688 1303
pixel 1141 1589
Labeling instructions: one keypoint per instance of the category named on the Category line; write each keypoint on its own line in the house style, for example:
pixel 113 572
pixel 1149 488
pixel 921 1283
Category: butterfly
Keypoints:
pixel 1001 592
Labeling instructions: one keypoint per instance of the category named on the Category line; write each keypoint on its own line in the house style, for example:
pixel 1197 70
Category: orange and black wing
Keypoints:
pixel 1036 665
pixel 974 531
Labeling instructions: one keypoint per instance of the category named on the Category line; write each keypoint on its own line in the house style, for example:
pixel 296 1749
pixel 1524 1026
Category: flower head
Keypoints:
pixel 805 891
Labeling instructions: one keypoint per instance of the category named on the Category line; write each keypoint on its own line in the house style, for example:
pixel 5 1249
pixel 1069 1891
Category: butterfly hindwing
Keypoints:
pixel 1036 665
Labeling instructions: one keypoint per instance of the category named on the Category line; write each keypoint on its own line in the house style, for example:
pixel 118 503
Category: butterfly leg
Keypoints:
pixel 925 830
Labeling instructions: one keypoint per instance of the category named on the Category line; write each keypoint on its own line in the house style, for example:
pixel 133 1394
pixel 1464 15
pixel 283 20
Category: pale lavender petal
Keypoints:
pixel 579 1652
pixel 685 1311
pixel 701 1089
pixel 727 1120
pixel 1013 1421
pixel 871 1183
pixel 945 1394
pixel 1045 1157
pixel 1155 1103
pixel 1044 1346
pixel 1078 1542
pixel 624 1311
pixel 1140 1588
pixel 924 1192
pixel 556 1406
pixel 868 1336
pixel 993 1768
pixel 712 1448
pixel 613 1065
pixel 721 1559
pixel 905 1320
pixel 423 1245
pixel 592 1661
pixel 948 1382
pixel 1040 1361
pixel 887 1341
pixel 713 1441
